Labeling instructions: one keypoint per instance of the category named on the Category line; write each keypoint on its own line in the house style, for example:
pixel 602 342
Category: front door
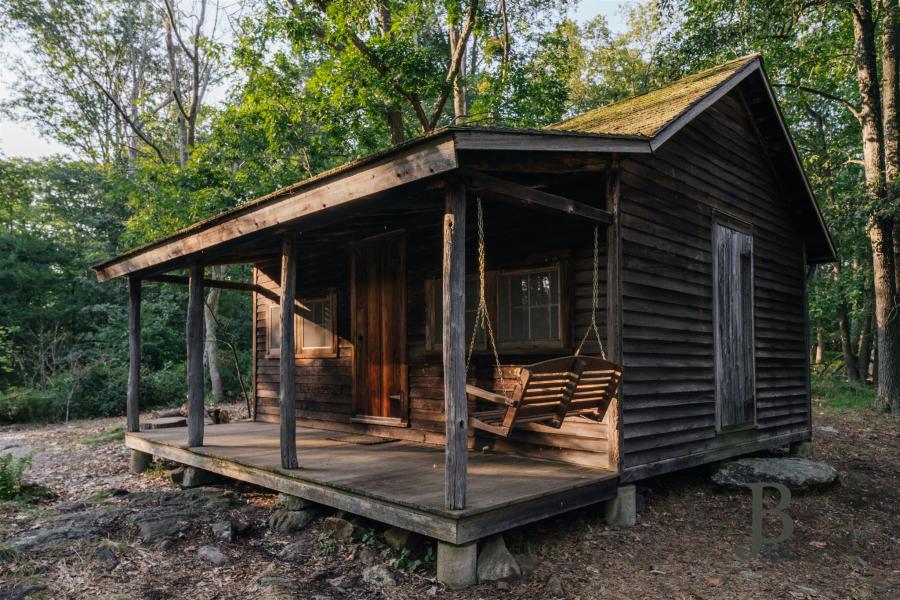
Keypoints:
pixel 733 310
pixel 379 330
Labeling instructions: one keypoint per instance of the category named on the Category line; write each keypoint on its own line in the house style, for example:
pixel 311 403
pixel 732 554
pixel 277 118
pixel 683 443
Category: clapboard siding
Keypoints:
pixel 517 237
pixel 715 164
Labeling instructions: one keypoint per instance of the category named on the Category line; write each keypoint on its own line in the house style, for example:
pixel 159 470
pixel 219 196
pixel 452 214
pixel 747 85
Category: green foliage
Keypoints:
pixel 11 475
pixel 368 537
pixel 836 394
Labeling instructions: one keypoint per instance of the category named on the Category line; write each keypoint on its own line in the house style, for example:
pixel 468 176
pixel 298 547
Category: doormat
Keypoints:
pixel 362 439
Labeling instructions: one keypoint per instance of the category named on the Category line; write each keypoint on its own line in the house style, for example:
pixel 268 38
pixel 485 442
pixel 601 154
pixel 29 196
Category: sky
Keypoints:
pixel 20 139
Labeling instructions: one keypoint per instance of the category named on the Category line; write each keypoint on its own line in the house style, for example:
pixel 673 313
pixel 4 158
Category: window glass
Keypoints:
pixel 318 323
pixel 274 328
pixel 529 306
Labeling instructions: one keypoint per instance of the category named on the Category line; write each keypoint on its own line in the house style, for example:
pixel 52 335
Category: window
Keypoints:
pixel 316 334
pixel 529 308
pixel 526 309
pixel 273 332
pixel 314 327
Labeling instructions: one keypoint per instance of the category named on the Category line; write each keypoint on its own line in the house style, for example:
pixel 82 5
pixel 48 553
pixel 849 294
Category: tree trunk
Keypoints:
pixel 210 345
pixel 843 314
pixel 459 89
pixel 887 320
pixel 864 356
pixel 820 347
pixel 880 230
pixel 175 91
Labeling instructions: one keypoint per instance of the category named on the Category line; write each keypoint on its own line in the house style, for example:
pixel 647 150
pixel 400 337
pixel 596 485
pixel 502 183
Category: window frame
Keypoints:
pixel 273 317
pixel 492 290
pixel 562 314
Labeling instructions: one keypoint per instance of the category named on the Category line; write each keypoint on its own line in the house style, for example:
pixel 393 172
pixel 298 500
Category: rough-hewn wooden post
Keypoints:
pixel 614 317
pixel 286 368
pixel 196 413
pixel 454 287
pixel 133 404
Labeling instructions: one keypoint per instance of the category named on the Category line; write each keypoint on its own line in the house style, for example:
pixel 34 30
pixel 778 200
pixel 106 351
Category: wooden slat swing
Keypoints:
pixel 548 391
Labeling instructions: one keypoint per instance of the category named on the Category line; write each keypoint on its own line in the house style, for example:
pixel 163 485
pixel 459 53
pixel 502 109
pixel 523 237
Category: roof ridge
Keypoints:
pixel 583 121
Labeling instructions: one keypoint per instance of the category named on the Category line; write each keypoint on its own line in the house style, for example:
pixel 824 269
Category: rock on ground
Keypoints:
pixel 379 576
pixel 798 474
pixel 343 530
pixel 495 561
pixel 289 521
pixel 213 555
pixel 288 502
pixel 553 588
pixel 295 551
pixel 397 538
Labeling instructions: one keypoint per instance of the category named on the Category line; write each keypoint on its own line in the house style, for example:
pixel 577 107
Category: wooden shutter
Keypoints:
pixel 733 309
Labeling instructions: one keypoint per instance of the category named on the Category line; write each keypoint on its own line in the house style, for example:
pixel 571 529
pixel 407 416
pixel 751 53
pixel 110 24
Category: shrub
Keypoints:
pixel 11 472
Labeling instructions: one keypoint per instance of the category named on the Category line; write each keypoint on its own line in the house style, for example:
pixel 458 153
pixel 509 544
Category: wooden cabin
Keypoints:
pixel 680 222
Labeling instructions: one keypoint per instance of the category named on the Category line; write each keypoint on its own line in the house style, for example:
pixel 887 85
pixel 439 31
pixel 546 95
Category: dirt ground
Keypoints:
pixel 846 542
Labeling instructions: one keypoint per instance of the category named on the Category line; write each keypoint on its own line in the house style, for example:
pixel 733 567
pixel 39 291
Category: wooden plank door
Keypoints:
pixel 380 382
pixel 733 315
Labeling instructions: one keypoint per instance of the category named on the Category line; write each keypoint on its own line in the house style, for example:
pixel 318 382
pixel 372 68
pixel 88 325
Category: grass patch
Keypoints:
pixel 110 435
pixel 837 394
pixel 12 471
pixel 7 553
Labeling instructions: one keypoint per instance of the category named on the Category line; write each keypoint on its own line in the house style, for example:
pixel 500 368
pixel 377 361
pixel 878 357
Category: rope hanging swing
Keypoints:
pixel 548 391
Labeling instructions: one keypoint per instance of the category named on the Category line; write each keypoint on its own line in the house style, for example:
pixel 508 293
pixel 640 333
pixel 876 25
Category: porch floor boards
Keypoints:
pixel 398 482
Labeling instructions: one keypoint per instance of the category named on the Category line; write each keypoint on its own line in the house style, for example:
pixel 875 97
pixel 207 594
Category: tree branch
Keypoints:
pixel 827 95
pixel 455 63
pixel 171 14
pixel 128 120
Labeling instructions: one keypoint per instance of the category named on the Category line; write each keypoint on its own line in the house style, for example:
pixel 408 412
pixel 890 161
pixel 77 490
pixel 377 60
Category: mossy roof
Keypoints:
pixel 648 114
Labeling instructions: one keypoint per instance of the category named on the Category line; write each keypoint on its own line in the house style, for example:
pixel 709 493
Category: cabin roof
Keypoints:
pixel 637 125
pixel 646 115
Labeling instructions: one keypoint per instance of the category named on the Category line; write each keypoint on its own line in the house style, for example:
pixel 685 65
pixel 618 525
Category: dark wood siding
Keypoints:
pixel 517 237
pixel 714 165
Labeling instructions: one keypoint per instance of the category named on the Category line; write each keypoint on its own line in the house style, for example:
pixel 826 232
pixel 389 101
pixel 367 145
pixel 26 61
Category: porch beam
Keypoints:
pixel 454 285
pixel 221 284
pixel 195 341
pixel 287 365
pixel 614 307
pixel 503 189
pixel 133 403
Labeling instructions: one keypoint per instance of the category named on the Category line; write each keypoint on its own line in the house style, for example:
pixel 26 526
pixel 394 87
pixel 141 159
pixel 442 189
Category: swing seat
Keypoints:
pixel 547 392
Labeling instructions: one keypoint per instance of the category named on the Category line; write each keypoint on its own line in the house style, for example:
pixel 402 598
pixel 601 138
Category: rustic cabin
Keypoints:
pixel 487 326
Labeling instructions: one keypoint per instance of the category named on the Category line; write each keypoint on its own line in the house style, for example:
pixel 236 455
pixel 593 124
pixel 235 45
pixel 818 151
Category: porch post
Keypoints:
pixel 196 413
pixel 287 365
pixel 454 281
pixel 133 403
pixel 614 318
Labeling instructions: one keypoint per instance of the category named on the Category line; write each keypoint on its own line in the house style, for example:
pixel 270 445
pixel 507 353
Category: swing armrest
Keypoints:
pixel 490 396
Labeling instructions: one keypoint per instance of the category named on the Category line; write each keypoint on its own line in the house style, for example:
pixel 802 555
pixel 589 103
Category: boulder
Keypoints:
pixel 495 562
pixel 378 576
pixel 798 474
pixel 289 521
pixel 212 555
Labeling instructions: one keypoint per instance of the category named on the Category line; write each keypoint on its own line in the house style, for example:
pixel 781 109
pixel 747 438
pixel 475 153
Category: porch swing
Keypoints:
pixel 548 391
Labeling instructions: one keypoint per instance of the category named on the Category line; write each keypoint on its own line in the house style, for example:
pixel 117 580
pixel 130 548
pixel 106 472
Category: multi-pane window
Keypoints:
pixel 314 327
pixel 525 308
pixel 528 306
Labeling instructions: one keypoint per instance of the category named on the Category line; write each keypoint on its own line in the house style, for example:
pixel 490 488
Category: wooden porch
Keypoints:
pixel 396 482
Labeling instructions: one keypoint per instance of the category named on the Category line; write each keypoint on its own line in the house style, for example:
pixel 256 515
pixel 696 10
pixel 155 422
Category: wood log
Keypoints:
pixel 454 286
pixel 287 365
pixel 133 403
pixel 614 308
pixel 195 342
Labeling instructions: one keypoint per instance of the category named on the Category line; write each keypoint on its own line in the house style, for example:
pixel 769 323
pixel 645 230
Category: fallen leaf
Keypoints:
pixel 714 581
